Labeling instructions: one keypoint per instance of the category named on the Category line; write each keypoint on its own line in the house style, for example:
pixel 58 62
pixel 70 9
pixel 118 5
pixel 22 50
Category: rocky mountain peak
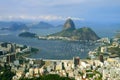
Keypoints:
pixel 69 24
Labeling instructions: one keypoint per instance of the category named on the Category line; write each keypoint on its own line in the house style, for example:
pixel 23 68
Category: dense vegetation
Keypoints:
pixel 49 77
pixel 27 34
pixel 34 50
pixel 93 73
pixel 114 51
pixel 5 73
pixel 78 34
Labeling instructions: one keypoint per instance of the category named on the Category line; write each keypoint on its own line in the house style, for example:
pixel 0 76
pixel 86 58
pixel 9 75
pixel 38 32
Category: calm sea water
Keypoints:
pixel 50 49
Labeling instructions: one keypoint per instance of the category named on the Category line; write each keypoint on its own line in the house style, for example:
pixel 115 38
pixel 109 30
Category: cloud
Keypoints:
pixel 59 9
pixel 38 18
pixel 49 17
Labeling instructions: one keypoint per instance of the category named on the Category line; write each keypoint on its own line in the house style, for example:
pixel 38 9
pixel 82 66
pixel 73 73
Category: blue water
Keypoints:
pixel 53 49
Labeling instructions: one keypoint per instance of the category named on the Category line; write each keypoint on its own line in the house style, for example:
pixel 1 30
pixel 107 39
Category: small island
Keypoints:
pixel 27 34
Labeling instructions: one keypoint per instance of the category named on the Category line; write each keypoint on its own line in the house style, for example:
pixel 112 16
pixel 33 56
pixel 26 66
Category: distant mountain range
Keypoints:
pixel 43 25
pixel 102 29
pixel 15 26
pixel 71 32
pixel 18 26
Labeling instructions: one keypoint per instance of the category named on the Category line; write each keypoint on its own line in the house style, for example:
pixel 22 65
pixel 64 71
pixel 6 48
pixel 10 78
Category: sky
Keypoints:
pixel 84 10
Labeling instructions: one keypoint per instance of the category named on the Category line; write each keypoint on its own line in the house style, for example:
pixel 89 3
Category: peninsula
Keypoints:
pixel 69 32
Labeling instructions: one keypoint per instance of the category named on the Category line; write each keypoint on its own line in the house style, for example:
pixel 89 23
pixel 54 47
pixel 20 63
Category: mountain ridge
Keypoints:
pixel 69 31
pixel 15 26
pixel 43 25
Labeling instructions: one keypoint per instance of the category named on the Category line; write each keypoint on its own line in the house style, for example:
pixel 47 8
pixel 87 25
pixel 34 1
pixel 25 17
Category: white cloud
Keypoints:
pixel 76 18
pixel 51 17
pixel 38 18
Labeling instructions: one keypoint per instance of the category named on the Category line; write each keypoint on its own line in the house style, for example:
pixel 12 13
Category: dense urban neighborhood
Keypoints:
pixel 103 63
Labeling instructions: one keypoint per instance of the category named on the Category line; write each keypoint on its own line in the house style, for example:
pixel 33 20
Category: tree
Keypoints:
pixel 7 74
